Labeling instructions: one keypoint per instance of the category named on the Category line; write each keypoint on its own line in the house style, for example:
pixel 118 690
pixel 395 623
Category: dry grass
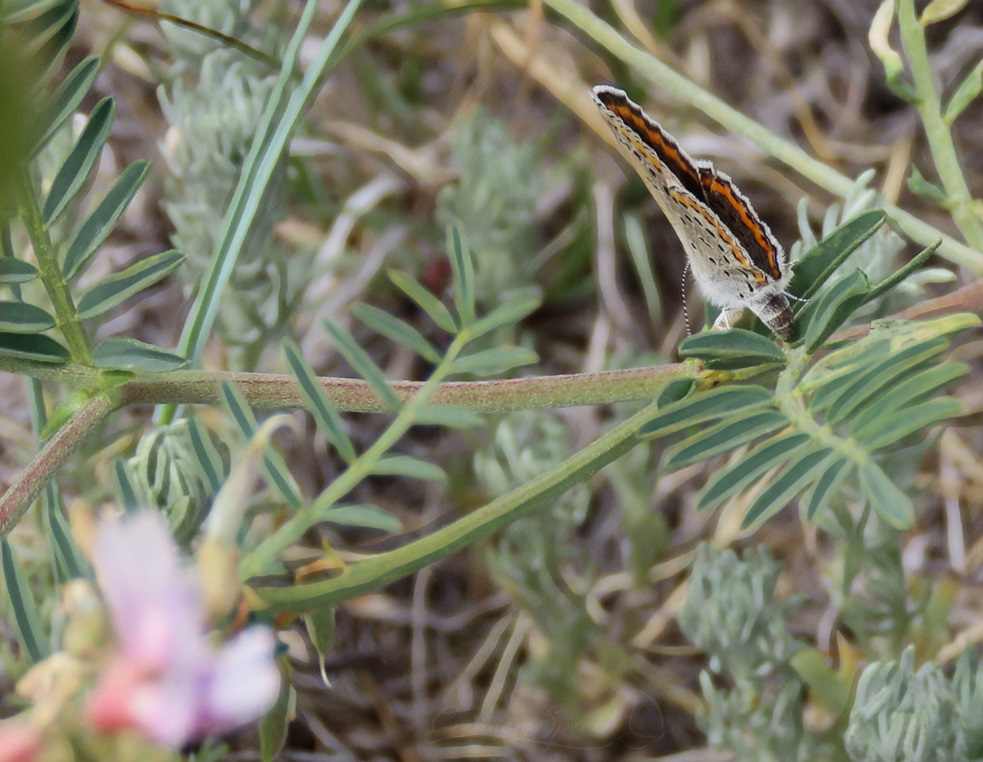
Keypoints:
pixel 456 662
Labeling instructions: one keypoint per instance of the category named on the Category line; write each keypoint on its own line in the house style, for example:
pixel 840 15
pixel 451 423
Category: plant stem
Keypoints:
pixel 51 274
pixel 18 497
pixel 936 130
pixel 268 390
pixel 266 553
pixel 664 77
pixel 380 569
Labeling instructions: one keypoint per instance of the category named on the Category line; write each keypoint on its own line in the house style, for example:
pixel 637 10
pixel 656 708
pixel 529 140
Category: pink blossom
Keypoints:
pixel 19 742
pixel 167 678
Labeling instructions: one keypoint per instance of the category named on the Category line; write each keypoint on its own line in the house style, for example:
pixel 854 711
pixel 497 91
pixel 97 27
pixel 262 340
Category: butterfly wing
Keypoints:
pixel 735 259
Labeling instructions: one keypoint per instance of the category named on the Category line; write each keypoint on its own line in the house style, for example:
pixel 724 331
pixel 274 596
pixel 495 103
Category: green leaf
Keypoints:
pixel 321 628
pixel 25 612
pixel 273 727
pixel 274 466
pixel 424 300
pixel 492 361
pixel 844 362
pixel 868 383
pixel 826 487
pixel 363 365
pixel 755 464
pixel 18 317
pixel 929 191
pixel 124 487
pixel 65 100
pixel 891 504
pixel 410 467
pixel 121 286
pixel 830 689
pixel 636 241
pixel 707 406
pixel 33 346
pixel 509 313
pixel 284 109
pixel 16 270
pixel 826 313
pixel 890 428
pixel 728 350
pixel 209 460
pixel 21 11
pixel 103 218
pixel 367 516
pixel 75 171
pixel 397 330
pixel 131 354
pixel 940 10
pixel 463 269
pixel 913 388
pixel 789 483
pixel 320 405
pixel 898 277
pixel 676 390
pixel 817 264
pixel 830 387
pixel 49 34
pixel 965 94
pixel 449 416
pixel 724 437
pixel 70 562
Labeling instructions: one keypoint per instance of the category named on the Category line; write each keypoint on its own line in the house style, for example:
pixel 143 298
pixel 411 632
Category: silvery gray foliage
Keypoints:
pixel 530 555
pixel 877 256
pixel 495 201
pixel 755 713
pixel 214 103
pixel 166 474
pixel 901 714
pixel 230 17
pixel 967 685
pixel 730 613
pixel 756 728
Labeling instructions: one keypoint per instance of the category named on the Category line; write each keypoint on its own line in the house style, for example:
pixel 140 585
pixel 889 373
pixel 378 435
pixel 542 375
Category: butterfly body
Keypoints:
pixel 736 261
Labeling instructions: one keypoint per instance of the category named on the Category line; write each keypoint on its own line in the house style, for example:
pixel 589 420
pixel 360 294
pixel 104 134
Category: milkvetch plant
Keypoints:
pixel 819 419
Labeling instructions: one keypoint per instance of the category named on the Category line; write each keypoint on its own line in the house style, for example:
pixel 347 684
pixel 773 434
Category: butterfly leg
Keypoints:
pixel 726 318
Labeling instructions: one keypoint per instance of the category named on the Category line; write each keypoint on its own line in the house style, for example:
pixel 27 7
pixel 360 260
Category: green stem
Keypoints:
pixel 936 130
pixel 18 497
pixel 267 552
pixel 51 274
pixel 790 402
pixel 264 390
pixel 268 390
pixel 662 76
pixel 380 569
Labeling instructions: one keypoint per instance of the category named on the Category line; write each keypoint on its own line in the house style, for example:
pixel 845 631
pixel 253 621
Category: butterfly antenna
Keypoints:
pixel 682 288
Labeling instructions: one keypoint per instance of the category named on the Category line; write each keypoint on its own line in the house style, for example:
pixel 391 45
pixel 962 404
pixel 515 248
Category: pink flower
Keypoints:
pixel 168 679
pixel 19 742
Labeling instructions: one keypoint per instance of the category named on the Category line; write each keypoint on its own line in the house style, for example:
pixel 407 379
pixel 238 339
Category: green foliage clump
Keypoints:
pixel 903 714
pixel 214 103
pixel 731 613
pixel 495 201
pixel 530 556
pixel 177 470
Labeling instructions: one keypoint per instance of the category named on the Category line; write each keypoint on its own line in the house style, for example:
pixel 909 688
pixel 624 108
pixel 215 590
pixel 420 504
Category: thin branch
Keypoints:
pixel 267 390
pixel 966 299
pixel 19 496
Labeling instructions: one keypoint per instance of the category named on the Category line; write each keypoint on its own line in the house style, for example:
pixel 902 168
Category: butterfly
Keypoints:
pixel 735 259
